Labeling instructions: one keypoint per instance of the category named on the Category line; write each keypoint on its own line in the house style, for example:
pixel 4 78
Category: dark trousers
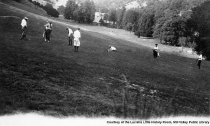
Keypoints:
pixel 24 31
pixel 76 48
pixel 48 34
pixel 199 64
pixel 70 41
pixel 155 54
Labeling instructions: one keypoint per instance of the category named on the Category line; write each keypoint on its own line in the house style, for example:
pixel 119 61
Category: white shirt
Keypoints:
pixel 200 57
pixel 48 26
pixel 24 23
pixel 155 48
pixel 70 31
pixel 77 34
pixel 112 48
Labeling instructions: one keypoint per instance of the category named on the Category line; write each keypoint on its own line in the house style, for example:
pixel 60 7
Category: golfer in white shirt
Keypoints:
pixel 111 48
pixel 200 58
pixel 24 28
pixel 77 36
pixel 70 35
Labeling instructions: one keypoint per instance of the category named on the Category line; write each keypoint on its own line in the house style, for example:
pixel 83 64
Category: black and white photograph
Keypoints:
pixel 104 62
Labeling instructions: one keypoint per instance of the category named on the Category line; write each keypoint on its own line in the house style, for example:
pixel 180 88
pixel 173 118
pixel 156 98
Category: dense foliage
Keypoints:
pixel 17 0
pixel 173 22
pixel 48 8
pixel 61 9
pixel 83 12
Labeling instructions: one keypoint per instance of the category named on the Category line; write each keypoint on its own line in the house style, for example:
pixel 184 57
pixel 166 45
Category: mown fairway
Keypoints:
pixel 51 78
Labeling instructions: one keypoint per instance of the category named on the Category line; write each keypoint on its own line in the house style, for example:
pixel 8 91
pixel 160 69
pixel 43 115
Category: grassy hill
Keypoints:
pixel 52 79
pixel 26 5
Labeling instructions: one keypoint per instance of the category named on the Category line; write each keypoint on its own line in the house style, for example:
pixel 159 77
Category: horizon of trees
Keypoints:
pixel 48 8
pixel 173 22
pixel 61 9
pixel 83 12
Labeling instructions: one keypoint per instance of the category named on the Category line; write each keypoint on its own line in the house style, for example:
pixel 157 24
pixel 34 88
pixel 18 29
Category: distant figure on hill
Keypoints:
pixel 47 31
pixel 77 36
pixel 200 58
pixel 70 36
pixel 24 28
pixel 111 48
pixel 155 51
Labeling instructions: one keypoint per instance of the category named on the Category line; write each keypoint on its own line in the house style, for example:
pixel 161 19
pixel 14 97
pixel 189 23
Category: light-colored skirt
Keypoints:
pixel 76 42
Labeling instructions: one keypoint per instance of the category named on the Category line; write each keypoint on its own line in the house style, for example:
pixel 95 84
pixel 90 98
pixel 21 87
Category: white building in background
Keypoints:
pixel 98 17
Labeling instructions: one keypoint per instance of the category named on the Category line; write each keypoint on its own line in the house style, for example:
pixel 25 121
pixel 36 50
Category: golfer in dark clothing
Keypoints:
pixel 155 51
pixel 24 28
pixel 48 30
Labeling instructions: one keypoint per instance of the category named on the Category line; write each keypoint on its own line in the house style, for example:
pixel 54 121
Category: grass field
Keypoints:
pixel 50 78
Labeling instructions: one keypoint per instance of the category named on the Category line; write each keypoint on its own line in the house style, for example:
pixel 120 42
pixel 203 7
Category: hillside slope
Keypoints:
pixel 26 5
pixel 52 79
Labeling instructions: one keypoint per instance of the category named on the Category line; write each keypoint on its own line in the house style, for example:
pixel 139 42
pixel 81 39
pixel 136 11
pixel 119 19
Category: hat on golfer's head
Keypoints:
pixel 26 18
pixel 156 44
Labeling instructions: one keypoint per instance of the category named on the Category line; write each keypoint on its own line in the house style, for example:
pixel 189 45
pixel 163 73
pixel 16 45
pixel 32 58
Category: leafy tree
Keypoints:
pixel 113 16
pixel 89 11
pixel 170 32
pixel 50 10
pixel 101 21
pixel 83 13
pixel 146 23
pixel 106 17
pixel 201 23
pixel 17 0
pixel 71 6
pixel 172 22
pixel 120 15
pixel 104 10
pixel 131 16
pixel 61 9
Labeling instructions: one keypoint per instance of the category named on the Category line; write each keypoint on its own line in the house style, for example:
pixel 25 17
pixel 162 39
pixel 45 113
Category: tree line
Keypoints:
pixel 48 8
pixel 173 22
pixel 82 12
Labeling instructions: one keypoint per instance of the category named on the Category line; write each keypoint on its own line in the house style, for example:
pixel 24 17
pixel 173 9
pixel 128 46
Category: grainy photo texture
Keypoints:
pixel 127 59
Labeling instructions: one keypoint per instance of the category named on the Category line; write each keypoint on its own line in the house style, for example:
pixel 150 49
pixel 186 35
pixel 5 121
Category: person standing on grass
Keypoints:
pixel 70 36
pixel 77 36
pixel 155 51
pixel 200 58
pixel 45 29
pixel 47 32
pixel 24 28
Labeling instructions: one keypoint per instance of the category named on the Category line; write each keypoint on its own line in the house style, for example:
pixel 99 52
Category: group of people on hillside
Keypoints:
pixel 73 36
pixel 157 54
pixel 74 39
